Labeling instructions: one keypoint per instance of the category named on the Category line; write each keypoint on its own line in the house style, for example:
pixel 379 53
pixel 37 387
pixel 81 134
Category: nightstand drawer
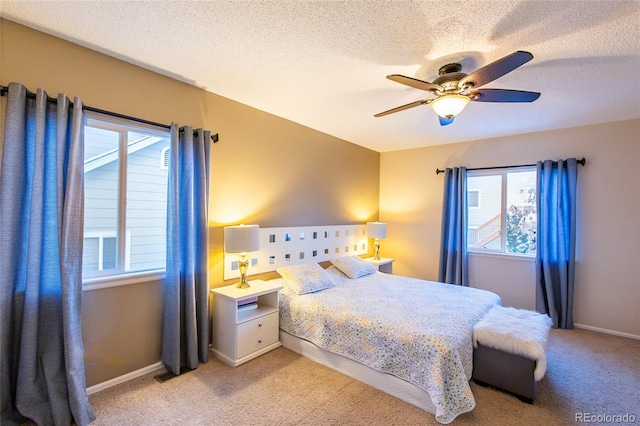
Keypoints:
pixel 258 325
pixel 258 341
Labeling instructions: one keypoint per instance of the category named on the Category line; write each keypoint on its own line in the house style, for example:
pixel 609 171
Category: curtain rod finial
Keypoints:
pixel 215 138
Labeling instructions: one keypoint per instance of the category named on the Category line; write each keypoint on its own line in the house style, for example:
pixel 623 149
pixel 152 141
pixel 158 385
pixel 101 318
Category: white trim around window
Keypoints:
pixel 98 283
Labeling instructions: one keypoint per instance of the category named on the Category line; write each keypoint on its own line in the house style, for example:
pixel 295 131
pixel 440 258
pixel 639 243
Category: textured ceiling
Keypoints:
pixel 323 64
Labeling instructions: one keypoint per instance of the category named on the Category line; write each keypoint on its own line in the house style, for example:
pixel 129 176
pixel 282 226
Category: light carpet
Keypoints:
pixel 589 374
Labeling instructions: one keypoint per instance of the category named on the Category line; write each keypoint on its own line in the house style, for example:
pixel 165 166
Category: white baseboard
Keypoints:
pixel 121 379
pixel 606 331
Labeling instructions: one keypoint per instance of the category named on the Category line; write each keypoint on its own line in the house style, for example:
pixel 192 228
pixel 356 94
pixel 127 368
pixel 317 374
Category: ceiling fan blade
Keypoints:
pixel 446 121
pixel 503 95
pixel 496 69
pixel 403 107
pixel 415 83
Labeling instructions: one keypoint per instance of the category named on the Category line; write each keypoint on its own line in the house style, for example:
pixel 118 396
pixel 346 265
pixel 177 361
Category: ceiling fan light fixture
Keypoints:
pixel 448 106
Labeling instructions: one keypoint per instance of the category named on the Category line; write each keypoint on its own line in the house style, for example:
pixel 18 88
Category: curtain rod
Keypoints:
pixel 4 90
pixel 581 161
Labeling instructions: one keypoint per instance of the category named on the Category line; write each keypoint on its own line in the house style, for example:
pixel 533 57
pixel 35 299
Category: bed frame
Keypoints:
pixel 382 381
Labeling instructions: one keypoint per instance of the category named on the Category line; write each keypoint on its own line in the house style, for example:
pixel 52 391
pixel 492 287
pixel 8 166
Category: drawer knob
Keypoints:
pixel 259 325
pixel 259 341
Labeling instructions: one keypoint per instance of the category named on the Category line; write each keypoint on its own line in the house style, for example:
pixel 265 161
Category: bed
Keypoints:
pixel 410 338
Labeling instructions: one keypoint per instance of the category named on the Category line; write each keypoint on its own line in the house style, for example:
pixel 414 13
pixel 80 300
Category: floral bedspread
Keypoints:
pixel 419 331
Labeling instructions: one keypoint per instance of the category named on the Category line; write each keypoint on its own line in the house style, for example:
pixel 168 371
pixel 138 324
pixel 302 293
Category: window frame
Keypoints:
pixel 100 236
pixel 121 275
pixel 503 172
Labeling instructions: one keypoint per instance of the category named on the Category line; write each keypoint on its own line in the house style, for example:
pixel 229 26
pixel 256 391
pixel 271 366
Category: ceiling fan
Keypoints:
pixel 454 89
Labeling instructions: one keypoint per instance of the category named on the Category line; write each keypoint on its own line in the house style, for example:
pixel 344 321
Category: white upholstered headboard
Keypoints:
pixel 295 245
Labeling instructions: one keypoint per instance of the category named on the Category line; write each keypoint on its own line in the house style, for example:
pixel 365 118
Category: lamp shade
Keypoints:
pixel 376 230
pixel 241 238
pixel 449 105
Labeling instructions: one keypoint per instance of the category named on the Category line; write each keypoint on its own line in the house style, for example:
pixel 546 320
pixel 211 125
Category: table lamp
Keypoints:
pixel 242 239
pixel 376 230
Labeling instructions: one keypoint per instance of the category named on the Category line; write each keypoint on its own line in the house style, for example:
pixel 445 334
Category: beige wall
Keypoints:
pixel 607 288
pixel 265 170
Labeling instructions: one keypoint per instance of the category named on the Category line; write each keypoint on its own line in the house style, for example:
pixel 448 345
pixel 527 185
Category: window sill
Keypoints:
pixel 98 283
pixel 497 255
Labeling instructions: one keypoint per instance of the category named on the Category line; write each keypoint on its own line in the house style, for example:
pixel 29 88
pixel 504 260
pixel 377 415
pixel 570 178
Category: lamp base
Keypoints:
pixel 242 284
pixel 243 265
pixel 376 245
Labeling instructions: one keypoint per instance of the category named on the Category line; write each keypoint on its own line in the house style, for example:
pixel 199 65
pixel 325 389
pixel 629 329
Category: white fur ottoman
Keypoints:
pixel 510 350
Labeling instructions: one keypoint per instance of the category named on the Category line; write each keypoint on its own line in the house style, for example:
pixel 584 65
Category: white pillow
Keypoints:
pixel 305 278
pixel 354 266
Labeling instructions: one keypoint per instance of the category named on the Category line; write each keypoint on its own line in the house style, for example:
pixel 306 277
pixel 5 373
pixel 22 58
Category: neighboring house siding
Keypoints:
pixel 147 208
pixel 101 189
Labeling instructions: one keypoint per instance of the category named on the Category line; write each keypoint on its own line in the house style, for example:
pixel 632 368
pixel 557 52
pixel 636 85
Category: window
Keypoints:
pixel 125 197
pixel 506 220
pixel 99 252
pixel 473 198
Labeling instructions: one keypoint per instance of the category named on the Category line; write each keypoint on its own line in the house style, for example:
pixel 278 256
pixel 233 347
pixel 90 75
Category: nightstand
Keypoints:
pixel 383 265
pixel 243 330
